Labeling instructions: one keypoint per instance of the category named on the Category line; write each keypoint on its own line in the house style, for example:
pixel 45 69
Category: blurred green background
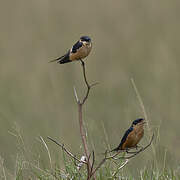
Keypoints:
pixel 131 39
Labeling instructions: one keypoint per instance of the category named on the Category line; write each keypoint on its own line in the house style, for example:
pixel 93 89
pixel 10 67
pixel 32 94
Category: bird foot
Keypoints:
pixel 82 62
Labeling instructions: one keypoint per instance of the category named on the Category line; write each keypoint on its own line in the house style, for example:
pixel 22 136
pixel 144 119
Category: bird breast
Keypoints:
pixel 139 132
pixel 133 138
pixel 81 52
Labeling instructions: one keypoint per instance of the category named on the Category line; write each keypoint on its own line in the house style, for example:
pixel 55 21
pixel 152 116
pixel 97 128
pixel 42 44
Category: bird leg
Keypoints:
pixel 82 62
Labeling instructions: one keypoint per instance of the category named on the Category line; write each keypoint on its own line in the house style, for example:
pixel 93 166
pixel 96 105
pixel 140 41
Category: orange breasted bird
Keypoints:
pixel 79 51
pixel 132 136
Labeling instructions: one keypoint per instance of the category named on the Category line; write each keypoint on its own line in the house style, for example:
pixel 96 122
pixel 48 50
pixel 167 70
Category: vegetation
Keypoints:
pixel 131 39
pixel 26 168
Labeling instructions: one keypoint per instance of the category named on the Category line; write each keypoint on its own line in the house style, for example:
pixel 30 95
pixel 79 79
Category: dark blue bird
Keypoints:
pixel 79 51
pixel 132 136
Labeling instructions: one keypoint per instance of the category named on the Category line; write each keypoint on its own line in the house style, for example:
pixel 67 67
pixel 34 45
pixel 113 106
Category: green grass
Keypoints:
pixel 29 168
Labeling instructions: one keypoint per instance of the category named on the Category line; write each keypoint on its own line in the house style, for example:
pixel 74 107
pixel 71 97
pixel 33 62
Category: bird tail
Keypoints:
pixel 54 60
pixel 62 59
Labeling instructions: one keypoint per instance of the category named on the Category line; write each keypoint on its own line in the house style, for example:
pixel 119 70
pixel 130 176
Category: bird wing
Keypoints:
pixel 76 46
pixel 123 140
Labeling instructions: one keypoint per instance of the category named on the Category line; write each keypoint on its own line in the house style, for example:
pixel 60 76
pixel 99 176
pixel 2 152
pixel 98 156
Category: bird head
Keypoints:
pixel 85 40
pixel 139 121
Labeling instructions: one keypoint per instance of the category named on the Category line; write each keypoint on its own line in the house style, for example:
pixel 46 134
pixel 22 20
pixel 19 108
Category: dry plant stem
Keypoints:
pixel 81 124
pixel 140 101
pixel 87 84
pixel 142 107
pixel 83 137
pixel 120 167
pixel 103 161
pixel 68 152
pixel 49 155
pixel 99 165
pixel 93 161
pixel 2 166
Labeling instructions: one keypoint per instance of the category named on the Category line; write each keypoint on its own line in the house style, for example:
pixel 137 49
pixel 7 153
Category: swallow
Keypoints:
pixel 132 136
pixel 79 51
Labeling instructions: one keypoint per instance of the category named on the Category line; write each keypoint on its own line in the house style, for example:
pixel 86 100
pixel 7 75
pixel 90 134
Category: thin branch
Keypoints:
pixel 86 82
pixel 84 73
pixel 82 133
pixel 81 123
pixel 45 145
pixel 76 96
pixel 68 152
pixel 100 164
pixel 93 161
pixel 114 155
pixel 88 162
pixel 119 168
pixel 94 84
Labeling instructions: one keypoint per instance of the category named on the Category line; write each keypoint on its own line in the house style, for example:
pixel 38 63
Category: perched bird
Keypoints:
pixel 132 136
pixel 79 51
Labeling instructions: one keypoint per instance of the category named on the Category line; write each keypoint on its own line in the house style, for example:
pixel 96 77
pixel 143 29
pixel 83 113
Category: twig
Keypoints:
pixel 81 124
pixel 82 131
pixel 100 164
pixel 104 160
pixel 93 161
pixel 119 168
pixel 86 82
pixel 68 152
pixel 83 137
pixel 45 145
